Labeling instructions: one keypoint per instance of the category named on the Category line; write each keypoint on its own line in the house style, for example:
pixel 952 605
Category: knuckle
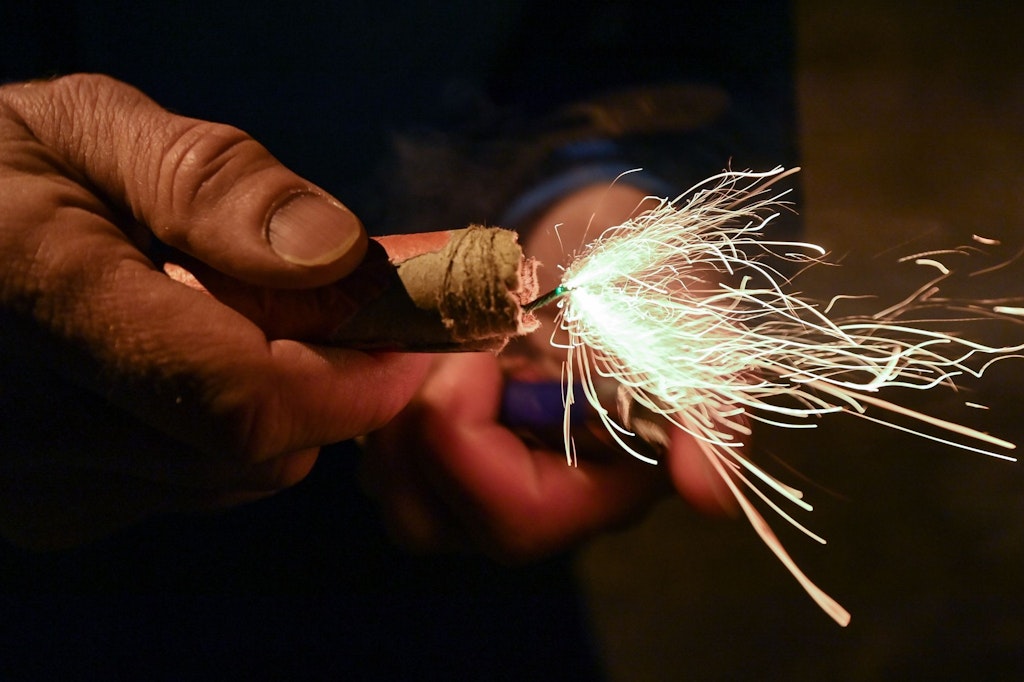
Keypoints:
pixel 55 110
pixel 16 94
pixel 79 89
pixel 200 163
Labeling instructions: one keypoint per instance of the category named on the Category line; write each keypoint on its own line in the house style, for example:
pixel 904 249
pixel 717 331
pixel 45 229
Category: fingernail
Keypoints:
pixel 310 230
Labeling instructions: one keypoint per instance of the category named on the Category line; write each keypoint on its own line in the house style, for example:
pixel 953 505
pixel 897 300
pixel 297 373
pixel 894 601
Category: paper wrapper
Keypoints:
pixel 458 290
pixel 455 290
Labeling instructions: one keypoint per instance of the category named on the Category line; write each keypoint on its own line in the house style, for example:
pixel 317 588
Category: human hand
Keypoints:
pixel 124 392
pixel 448 473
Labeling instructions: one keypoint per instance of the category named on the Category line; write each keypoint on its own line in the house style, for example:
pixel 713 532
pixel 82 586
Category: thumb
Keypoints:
pixel 204 188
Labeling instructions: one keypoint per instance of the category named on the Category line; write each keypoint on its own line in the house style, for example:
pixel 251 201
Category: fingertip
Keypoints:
pixel 695 479
pixel 467 387
pixel 313 231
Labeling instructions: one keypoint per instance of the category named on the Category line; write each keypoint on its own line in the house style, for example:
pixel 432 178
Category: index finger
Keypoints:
pixel 222 386
pixel 530 501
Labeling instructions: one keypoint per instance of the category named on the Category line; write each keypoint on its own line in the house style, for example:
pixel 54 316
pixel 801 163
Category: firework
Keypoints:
pixel 686 307
pixel 451 291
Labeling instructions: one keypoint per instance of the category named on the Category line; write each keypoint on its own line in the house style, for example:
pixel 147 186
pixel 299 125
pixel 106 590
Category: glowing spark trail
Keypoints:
pixel 683 308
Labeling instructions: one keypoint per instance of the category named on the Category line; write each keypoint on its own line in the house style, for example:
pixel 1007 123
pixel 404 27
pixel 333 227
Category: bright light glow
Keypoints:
pixel 683 307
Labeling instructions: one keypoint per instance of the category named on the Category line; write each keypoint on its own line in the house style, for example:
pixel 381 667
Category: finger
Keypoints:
pixel 240 397
pixel 204 188
pixel 695 478
pixel 199 371
pixel 311 395
pixel 530 501
pixel 68 426
pixel 305 314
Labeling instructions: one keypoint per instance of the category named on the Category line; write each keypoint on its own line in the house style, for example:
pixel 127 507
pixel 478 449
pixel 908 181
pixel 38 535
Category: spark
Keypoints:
pixel 934 263
pixel 1000 266
pixel 1009 310
pixel 684 308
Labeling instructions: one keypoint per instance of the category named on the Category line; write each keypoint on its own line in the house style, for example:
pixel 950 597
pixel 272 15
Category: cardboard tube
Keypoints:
pixel 458 290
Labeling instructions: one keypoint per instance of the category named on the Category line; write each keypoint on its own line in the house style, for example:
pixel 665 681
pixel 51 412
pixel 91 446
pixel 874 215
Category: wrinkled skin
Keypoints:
pixel 124 392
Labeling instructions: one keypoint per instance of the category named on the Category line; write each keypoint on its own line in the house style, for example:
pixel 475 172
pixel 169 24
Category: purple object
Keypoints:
pixel 537 404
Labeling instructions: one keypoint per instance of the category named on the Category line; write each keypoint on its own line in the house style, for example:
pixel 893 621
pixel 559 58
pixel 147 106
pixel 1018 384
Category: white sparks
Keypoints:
pixel 683 308
pixel 934 263
pixel 1008 310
